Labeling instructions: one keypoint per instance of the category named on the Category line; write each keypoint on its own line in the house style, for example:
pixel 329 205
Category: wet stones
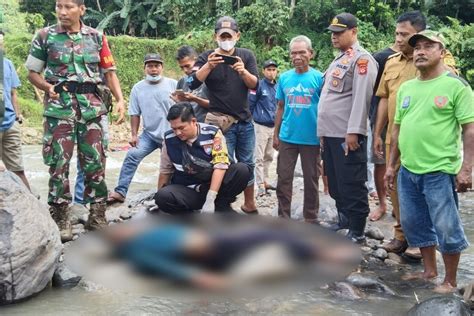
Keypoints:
pixel 346 291
pixel 440 305
pixel 65 278
pixel 380 254
pixel 367 281
pixel 374 233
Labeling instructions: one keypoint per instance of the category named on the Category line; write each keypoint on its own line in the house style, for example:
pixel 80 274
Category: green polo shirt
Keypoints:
pixel 430 114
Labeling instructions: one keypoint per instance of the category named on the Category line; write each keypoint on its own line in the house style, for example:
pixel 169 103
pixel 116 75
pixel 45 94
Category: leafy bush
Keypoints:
pixel 32 111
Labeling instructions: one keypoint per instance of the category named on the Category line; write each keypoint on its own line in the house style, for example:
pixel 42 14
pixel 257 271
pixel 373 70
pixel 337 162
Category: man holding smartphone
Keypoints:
pixel 229 73
pixel 186 58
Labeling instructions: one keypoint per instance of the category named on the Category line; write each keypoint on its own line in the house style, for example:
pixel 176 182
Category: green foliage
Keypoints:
pixel 263 25
pixel 32 111
pixel 34 21
pixel 460 42
pixel 13 20
pixel 314 15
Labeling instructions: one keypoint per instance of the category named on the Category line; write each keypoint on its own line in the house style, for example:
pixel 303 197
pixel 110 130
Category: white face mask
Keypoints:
pixel 153 79
pixel 226 45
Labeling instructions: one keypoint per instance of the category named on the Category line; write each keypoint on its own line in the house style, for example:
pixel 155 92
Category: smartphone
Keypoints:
pixel 229 60
pixel 179 92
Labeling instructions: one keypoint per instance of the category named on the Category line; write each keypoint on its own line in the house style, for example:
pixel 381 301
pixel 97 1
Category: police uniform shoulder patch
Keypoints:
pixel 362 64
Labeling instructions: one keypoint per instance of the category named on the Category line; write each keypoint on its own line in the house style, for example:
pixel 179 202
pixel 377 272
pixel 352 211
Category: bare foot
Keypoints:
pixel 374 196
pixel 377 214
pixel 444 288
pixel 419 276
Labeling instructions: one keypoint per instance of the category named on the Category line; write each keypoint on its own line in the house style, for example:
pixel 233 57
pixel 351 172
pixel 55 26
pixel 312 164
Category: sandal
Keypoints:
pixel 251 212
pixel 115 197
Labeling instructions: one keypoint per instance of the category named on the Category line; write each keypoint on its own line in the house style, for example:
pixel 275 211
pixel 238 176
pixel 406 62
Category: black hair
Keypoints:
pixel 183 110
pixel 186 51
pixel 416 19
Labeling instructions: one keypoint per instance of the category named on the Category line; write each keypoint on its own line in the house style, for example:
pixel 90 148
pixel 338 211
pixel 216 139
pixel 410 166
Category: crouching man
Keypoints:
pixel 195 170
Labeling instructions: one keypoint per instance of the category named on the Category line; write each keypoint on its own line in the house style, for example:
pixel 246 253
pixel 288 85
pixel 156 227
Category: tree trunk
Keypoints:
pixel 98 6
pixel 292 7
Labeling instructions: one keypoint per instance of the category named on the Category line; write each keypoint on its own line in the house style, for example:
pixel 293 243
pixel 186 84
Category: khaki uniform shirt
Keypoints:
pixel 346 94
pixel 398 69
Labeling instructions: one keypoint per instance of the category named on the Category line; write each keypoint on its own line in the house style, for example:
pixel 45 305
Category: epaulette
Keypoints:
pixel 459 78
pixel 208 128
pixel 394 55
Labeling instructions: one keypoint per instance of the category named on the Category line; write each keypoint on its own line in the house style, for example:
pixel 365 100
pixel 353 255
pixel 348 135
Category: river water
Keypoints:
pixel 90 300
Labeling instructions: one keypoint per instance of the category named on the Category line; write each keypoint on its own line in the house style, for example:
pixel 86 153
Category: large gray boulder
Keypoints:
pixel 440 305
pixel 29 241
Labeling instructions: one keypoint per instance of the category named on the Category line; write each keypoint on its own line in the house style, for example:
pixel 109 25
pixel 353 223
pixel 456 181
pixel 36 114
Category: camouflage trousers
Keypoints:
pixel 60 136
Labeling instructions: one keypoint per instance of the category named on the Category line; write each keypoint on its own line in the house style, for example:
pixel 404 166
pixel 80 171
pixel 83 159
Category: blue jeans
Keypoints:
pixel 146 145
pixel 429 211
pixel 79 186
pixel 240 140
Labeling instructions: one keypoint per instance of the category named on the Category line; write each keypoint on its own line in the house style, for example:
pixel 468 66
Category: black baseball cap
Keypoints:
pixel 269 63
pixel 342 22
pixel 153 57
pixel 226 24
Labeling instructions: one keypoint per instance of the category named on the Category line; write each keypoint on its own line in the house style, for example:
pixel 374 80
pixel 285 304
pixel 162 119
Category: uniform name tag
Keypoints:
pixel 206 142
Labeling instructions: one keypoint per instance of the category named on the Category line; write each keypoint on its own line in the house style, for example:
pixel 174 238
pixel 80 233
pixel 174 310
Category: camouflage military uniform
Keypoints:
pixel 72 57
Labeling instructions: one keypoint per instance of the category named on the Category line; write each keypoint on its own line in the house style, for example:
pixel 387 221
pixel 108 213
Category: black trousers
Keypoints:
pixel 346 180
pixel 180 199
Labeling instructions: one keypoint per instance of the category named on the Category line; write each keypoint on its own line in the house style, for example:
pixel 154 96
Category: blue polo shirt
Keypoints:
pixel 10 81
pixel 300 92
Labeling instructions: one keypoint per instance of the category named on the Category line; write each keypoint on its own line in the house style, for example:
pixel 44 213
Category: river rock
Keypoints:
pixel 372 243
pixel 374 233
pixel 367 281
pixel 78 229
pixel 396 258
pixel 63 277
pixel 345 291
pixel 29 241
pixel 77 211
pixel 380 253
pixel 141 197
pixel 440 305
pixel 390 262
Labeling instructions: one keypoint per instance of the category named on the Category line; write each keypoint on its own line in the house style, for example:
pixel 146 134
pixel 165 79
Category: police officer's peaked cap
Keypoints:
pixel 342 22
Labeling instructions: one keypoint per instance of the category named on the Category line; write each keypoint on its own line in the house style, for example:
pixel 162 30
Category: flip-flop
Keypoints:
pixel 114 197
pixel 252 212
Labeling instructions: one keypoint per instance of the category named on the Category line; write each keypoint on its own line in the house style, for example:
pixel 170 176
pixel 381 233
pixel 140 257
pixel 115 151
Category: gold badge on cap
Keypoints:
pixel 225 24
pixel 335 21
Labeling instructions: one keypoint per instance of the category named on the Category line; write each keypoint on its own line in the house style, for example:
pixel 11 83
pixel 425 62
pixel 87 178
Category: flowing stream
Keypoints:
pixel 99 301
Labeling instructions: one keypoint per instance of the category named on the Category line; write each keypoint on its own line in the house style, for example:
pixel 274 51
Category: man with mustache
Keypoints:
pixel 398 69
pixel 431 112
pixel 342 125
pixel 73 56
